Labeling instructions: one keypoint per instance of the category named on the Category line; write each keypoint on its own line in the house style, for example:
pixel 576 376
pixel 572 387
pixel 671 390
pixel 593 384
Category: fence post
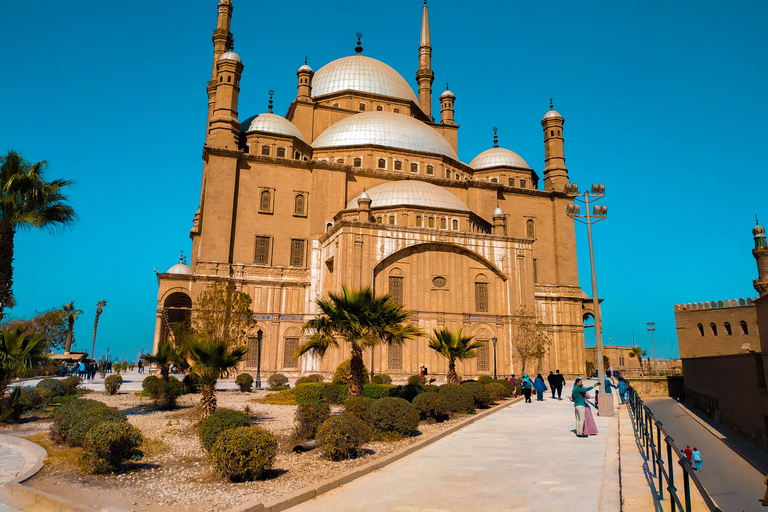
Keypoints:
pixel 686 486
pixel 659 455
pixel 671 468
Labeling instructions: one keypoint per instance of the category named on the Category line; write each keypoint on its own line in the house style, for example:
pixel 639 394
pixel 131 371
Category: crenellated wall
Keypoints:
pixel 716 328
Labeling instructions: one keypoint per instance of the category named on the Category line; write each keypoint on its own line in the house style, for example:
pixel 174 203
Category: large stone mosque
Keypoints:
pixel 359 185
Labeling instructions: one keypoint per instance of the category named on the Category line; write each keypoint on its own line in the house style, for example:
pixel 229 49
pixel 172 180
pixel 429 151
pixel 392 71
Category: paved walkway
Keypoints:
pixel 523 458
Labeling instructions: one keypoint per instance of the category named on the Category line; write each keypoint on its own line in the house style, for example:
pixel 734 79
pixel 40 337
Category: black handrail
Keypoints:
pixel 644 422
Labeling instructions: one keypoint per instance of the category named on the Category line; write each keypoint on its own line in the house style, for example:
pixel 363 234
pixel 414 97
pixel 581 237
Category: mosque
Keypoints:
pixel 359 185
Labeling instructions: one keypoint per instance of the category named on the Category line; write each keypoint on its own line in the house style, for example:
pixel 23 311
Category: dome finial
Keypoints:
pixel 271 92
pixel 551 107
pixel 359 48
pixel 446 86
pixel 495 137
pixel 181 258
pixel 305 60
pixel 756 222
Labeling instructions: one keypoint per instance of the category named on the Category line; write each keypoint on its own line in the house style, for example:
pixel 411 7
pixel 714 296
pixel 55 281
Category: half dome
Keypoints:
pixel 497 157
pixel 364 74
pixel 385 129
pixel 180 269
pixel 272 123
pixel 411 193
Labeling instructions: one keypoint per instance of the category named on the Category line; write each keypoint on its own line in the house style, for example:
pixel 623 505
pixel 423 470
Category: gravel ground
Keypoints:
pixel 175 471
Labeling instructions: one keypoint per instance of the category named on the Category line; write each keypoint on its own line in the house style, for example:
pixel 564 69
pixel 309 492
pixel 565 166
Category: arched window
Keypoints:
pixel 430 169
pixel 530 229
pixel 744 329
pixel 229 79
pixel 221 79
pixel 481 294
pixel 379 109
pixel 281 152
pixel 522 183
pixel 392 219
pixel 396 111
pixel 443 223
pixel 494 180
pixel 714 329
pixel 298 205
pixel 455 225
pixel 414 167
pixel 398 165
pixel 358 162
pixel 265 204
pixel 431 222
pixel 701 329
pixel 339 160
pixel 551 133
pixel 362 106
pixel 378 220
pixel 291 344
pixel 418 221
pixel 727 326
pixel 382 163
pixel 265 150
pixel 511 182
pixel 297 156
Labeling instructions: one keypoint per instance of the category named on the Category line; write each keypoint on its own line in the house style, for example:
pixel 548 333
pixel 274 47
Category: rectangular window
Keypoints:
pixel 261 256
pixel 297 253
pixel 253 351
pixel 522 183
pixel 265 150
pixel 511 182
pixel 396 289
pixel 395 356
pixel 481 297
pixel 291 344
pixel 483 357
pixel 535 271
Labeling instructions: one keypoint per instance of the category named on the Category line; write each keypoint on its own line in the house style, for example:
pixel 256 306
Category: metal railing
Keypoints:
pixel 645 424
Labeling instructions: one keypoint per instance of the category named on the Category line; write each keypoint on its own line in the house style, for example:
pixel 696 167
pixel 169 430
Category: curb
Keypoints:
pixel 316 490
pixel 30 451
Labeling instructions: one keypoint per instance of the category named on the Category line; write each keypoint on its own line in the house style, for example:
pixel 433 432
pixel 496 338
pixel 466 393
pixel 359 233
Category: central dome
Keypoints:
pixel 497 157
pixel 363 74
pixel 385 129
pixel 411 193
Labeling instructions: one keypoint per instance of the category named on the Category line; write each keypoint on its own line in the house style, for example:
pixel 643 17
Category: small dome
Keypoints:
pixel 758 231
pixel 230 56
pixel 411 193
pixel 364 195
pixel 552 113
pixel 498 211
pixel 364 74
pixel 304 67
pixel 497 157
pixel 180 269
pixel 447 94
pixel 272 123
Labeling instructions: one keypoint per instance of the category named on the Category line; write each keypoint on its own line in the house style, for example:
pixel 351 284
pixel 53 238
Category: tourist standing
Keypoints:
pixel 513 380
pixel 527 386
pixel 551 380
pixel 696 458
pixel 540 388
pixel 578 395
pixel 622 389
pixel 558 385
pixel 590 427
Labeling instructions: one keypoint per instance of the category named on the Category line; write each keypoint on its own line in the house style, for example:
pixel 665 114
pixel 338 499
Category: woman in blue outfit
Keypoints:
pixel 540 388
pixel 527 386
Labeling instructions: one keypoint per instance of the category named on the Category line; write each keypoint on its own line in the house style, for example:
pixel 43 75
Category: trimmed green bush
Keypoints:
pixel 167 393
pixel 150 385
pixel 341 376
pixel 381 378
pixel 112 384
pixel 277 379
pixel 430 405
pixel 431 388
pixel 309 393
pixel 46 395
pixel 245 381
pixel 309 417
pixel 417 380
pixel 222 420
pixel 342 437
pixel 518 390
pixel 496 391
pixel 408 392
pixel 65 417
pixel 55 386
pixel 86 419
pixel 191 383
pixel 108 444
pixel 485 379
pixel 70 384
pixel 479 393
pixel 393 415
pixel 457 399
pixel 315 377
pixel 376 391
pixel 358 407
pixel 508 386
pixel 279 388
pixel 335 393
pixel 244 453
pixel 30 399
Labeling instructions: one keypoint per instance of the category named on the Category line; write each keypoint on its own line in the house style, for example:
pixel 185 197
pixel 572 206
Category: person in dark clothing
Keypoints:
pixel 527 386
pixel 558 383
pixel 551 380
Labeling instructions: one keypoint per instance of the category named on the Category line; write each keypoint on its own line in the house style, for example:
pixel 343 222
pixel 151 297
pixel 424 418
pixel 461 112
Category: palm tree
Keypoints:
pixel 99 305
pixel 166 355
pixel 18 351
pixel 26 201
pixel 71 314
pixel 212 361
pixel 363 321
pixel 639 354
pixel 453 347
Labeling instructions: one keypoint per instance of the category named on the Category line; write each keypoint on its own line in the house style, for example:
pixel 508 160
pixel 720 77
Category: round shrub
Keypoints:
pixel 191 383
pixel 376 391
pixel 315 377
pixel 309 417
pixel 112 384
pixel 46 395
pixel 335 393
pixel 496 391
pixel 245 381
pixel 479 393
pixel 393 415
pixel 167 393
pixel 457 399
pixel 485 379
pixel 55 386
pixel 510 388
pixel 407 392
pixel 30 399
pixel 381 378
pixel 417 380
pixel 309 393
pixel 430 405
pixel 431 388
pixel 277 379
pixel 244 453
pixel 110 443
pixel 341 376
pixel 65 416
pixel 222 420
pixel 358 407
pixel 70 384
pixel 150 385
pixel 341 437
pixel 86 419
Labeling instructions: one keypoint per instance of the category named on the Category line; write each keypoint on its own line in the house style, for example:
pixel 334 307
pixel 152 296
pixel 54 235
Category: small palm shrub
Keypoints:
pixel 335 393
pixel 479 393
pixel 65 417
pixel 11 406
pixel 430 406
pixel 393 415
pixel 70 384
pixel 342 437
pixel 358 407
pixel 112 384
pixel 277 379
pixel 341 376
pixel 381 378
pixel 485 379
pixel 222 420
pixel 315 377
pixel 150 385
pixel 309 393
pixel 191 383
pixel 55 386
pixel 376 391
pixel 245 381
pixel 86 419
pixel 244 453
pixel 108 444
pixel 309 417
pixel 417 380
pixel 167 393
pixel 457 399
pixel 496 391
pixel 408 392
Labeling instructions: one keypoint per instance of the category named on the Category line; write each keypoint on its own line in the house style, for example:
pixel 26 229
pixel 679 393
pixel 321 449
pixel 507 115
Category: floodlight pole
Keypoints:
pixel 259 336
pixel 652 329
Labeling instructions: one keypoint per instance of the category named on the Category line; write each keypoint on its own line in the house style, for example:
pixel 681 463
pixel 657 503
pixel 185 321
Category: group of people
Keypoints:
pixel 528 386
pixel 692 457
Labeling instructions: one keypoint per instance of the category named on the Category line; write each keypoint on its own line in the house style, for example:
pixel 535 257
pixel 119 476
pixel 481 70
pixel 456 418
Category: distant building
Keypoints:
pixel 620 360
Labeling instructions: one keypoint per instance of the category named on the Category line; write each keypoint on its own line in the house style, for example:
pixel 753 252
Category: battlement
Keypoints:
pixel 715 304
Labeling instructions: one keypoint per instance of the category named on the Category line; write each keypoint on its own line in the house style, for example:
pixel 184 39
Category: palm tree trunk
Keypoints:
pixel 356 373
pixel 6 267
pixel 95 326
pixel 68 343
pixel 208 401
pixel 452 377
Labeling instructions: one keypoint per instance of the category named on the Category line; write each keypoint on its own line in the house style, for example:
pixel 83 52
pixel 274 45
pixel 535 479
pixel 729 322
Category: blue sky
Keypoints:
pixel 664 102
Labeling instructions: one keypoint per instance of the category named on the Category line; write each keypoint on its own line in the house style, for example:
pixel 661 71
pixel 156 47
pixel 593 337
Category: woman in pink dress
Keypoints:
pixel 590 428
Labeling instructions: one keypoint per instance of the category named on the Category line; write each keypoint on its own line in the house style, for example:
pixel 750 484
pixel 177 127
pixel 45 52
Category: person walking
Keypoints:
pixel 622 389
pixel 527 386
pixel 551 380
pixel 540 387
pixel 696 454
pixel 513 380
pixel 558 385
pixel 688 455
pixel 578 394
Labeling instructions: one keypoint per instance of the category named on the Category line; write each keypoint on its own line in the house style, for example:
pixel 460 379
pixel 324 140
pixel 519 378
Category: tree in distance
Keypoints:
pixel 50 324
pixel 639 354
pixel 99 305
pixel 529 340
pixel 224 315
pixel 453 347
pixel 71 314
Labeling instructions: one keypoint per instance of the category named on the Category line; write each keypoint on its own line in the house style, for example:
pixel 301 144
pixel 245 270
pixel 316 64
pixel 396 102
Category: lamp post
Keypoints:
pixel 598 213
pixel 494 340
pixel 259 336
pixel 651 329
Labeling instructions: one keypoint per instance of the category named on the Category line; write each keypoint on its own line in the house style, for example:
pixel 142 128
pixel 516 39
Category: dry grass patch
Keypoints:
pixel 284 397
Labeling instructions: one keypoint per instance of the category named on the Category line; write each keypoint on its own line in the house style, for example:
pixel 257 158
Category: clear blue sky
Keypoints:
pixel 664 102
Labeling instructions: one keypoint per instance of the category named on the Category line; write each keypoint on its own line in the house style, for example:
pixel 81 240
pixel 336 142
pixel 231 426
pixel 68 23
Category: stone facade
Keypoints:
pixel 359 186
pixel 716 328
pixel 618 358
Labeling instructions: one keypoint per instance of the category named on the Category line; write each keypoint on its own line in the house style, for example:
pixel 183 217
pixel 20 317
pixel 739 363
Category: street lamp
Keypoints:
pixel 259 336
pixel 599 212
pixel 652 329
pixel 494 340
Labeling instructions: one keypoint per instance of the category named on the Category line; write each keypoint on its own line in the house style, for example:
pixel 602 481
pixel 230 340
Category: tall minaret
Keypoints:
pixel 760 252
pixel 425 76
pixel 222 41
pixel 555 172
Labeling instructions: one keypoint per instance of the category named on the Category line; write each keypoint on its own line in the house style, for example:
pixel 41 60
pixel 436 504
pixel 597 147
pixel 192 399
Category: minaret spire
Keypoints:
pixel 425 76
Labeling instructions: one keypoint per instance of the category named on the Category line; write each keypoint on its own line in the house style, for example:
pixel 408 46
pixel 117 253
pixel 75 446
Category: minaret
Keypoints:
pixel 760 252
pixel 447 100
pixel 425 76
pixel 555 172
pixel 224 128
pixel 222 41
